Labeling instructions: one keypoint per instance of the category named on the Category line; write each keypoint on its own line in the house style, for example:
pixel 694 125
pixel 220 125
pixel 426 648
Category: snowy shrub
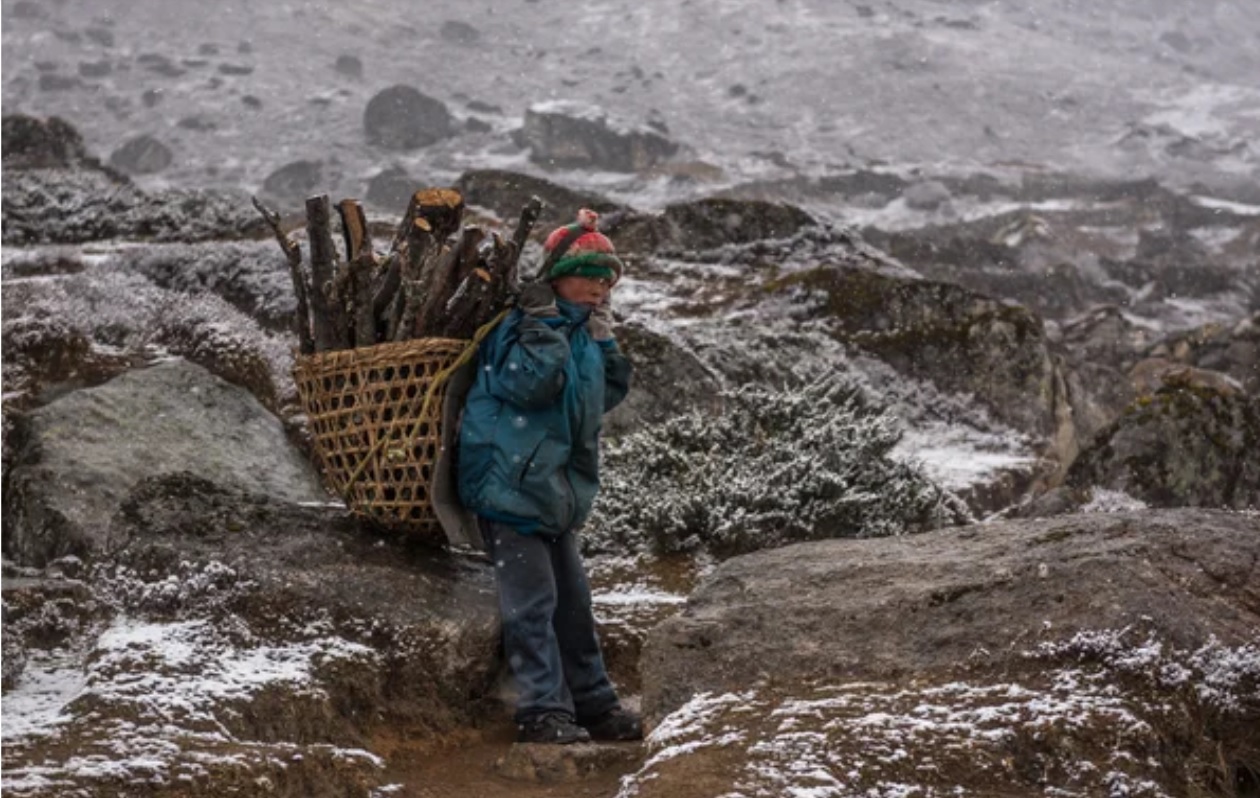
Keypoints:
pixel 774 467
pixel 123 314
pixel 251 275
pixel 205 330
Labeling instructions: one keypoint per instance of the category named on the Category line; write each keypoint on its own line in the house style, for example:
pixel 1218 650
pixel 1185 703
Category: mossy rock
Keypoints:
pixel 961 341
pixel 716 222
pixel 506 193
pixel 1188 445
pixel 669 380
pixel 32 143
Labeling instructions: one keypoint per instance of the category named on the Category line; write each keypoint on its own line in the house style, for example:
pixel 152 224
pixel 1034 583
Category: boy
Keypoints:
pixel 529 468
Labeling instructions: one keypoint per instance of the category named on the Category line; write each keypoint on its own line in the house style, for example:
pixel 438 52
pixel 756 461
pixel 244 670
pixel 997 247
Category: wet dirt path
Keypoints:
pixel 464 765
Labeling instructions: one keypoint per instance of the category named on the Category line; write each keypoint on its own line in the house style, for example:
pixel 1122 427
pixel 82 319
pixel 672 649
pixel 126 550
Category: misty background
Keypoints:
pixel 776 94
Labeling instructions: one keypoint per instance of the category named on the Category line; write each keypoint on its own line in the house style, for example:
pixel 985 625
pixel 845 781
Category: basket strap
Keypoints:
pixel 439 379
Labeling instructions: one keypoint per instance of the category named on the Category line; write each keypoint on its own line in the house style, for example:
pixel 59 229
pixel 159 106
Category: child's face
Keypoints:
pixel 583 290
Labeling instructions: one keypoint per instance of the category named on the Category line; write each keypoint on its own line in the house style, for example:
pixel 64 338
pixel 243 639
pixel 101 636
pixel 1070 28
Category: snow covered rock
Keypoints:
pixel 252 276
pixel 83 453
pixel 1189 444
pixel 248 645
pixel 713 223
pixel 1064 655
pixel 80 320
pixel 402 118
pixel 31 143
pixel 929 195
pixel 85 202
pixel 566 134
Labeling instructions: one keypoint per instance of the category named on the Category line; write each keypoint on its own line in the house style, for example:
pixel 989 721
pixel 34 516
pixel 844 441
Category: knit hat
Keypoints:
pixel 579 250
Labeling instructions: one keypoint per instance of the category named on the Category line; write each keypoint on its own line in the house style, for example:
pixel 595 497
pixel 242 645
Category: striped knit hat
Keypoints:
pixel 579 250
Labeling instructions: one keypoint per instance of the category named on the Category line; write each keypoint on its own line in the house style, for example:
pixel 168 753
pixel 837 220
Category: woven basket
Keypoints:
pixel 357 398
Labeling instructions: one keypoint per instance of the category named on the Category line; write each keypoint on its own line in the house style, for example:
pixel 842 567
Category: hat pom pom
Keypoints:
pixel 587 219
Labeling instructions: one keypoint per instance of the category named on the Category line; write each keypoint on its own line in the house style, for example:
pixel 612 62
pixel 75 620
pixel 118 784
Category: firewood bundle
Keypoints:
pixel 438 279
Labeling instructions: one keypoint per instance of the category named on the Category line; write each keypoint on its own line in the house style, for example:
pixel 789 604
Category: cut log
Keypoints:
pixel 436 214
pixel 328 315
pixel 442 208
pixel 361 271
pixel 301 282
pixel 529 217
pixel 354 228
pixel 439 283
pixel 383 299
pixel 482 293
pixel 418 253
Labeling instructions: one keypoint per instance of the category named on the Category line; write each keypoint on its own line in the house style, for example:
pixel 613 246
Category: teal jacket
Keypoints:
pixel 529 440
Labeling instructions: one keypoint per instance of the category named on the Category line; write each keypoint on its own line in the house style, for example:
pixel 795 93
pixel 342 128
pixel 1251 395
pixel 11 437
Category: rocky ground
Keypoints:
pixel 186 610
pixel 1009 658
pixel 1028 237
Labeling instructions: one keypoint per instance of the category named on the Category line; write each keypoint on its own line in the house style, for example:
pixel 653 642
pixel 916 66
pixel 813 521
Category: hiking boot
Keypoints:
pixel 555 728
pixel 617 724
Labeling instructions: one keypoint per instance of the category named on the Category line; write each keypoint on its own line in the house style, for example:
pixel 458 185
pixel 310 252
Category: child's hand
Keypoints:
pixel 601 321
pixel 537 299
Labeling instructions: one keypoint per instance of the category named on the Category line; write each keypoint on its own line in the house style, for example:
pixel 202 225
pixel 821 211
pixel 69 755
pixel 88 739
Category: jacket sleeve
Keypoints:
pixel 527 366
pixel 617 372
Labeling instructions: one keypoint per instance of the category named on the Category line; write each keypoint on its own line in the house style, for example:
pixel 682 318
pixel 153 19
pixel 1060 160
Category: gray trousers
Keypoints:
pixel 548 625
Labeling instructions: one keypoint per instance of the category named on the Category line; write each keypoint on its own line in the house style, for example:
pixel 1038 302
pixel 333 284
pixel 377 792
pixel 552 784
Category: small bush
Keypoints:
pixel 775 467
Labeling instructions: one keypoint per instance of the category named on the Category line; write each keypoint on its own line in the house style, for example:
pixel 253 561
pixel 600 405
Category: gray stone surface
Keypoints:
pixel 294 182
pixel 927 196
pixel 1012 658
pixel 1193 442
pixel 402 118
pixel 143 155
pixel 564 136
pixel 668 380
pixel 923 606
pixel 84 452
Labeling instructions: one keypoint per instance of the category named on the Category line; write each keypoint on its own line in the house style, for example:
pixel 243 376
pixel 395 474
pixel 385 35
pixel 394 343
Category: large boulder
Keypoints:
pixel 143 155
pixel 668 380
pixel 717 222
pixel 32 143
pixel 963 342
pixel 391 189
pixel 1095 655
pixel 1191 443
pixel 402 118
pixel 570 135
pixel 505 193
pixel 81 454
pixel 294 182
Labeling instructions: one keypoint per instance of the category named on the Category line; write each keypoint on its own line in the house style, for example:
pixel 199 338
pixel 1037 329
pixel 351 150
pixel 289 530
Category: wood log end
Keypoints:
pixel 439 197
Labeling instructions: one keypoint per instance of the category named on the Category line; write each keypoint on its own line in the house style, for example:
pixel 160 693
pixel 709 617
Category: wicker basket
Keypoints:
pixel 366 404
